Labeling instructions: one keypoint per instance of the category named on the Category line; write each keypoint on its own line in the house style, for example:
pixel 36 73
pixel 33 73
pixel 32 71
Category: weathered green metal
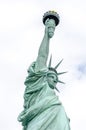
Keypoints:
pixel 42 107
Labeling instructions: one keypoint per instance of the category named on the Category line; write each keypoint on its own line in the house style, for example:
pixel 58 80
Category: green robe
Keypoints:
pixel 42 108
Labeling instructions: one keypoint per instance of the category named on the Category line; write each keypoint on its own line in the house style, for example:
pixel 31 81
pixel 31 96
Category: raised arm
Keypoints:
pixel 44 47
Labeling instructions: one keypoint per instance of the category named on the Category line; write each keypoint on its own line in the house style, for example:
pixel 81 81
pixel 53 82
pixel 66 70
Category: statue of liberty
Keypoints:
pixel 42 107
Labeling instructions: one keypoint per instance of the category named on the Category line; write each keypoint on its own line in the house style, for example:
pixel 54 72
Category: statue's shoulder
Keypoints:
pixel 32 71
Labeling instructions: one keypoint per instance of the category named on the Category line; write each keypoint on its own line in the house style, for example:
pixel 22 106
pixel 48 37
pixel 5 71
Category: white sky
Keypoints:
pixel 21 32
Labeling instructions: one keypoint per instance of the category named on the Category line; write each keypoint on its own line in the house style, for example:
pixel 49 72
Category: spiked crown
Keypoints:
pixel 54 68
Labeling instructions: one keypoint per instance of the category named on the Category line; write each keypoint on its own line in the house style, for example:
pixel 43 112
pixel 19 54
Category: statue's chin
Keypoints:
pixel 51 85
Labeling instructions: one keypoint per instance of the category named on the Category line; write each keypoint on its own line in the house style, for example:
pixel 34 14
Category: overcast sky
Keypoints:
pixel 21 32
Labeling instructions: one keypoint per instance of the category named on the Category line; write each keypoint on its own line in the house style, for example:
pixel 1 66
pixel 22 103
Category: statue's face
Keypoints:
pixel 52 80
pixel 51 28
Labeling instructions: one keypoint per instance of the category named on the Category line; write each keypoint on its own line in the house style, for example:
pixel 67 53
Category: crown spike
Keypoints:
pixel 61 73
pixel 61 82
pixel 58 64
pixel 50 61
pixel 57 89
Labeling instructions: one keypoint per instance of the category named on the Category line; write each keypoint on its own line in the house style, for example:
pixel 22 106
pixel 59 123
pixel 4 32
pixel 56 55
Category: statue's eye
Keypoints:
pixel 54 78
pixel 55 81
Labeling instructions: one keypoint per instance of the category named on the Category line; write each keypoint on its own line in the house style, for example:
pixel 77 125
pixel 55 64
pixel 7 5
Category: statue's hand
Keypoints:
pixel 49 28
pixel 46 31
